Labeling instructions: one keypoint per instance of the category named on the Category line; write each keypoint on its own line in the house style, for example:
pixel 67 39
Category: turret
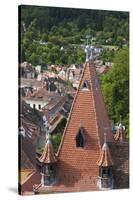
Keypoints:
pixel 105 164
pixel 48 160
pixel 120 133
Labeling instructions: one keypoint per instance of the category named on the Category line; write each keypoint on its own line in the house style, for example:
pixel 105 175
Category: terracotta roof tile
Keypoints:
pixel 120 135
pixel 105 159
pixel 88 107
pixel 48 155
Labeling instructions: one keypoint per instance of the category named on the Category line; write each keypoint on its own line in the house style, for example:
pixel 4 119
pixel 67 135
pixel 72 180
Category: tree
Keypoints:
pixel 115 88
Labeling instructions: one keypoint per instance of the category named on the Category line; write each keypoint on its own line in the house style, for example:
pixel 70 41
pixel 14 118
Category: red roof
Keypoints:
pixel 105 159
pixel 77 168
pixel 48 155
pixel 120 134
pixel 88 107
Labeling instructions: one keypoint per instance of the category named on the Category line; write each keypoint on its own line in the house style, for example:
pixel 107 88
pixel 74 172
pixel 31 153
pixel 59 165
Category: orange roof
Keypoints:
pixel 105 158
pixel 48 155
pixel 88 107
pixel 76 167
pixel 120 135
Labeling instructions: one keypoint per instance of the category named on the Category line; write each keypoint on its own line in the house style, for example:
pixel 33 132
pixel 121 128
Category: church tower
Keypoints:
pixel 83 137
pixel 85 160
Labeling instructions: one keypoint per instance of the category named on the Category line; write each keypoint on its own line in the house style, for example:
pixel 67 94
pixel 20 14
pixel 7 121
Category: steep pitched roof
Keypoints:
pixel 105 159
pixel 88 106
pixel 79 163
pixel 120 134
pixel 48 155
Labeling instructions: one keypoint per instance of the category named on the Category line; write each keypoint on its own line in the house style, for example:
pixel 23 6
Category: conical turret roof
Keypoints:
pixel 48 156
pixel 120 134
pixel 105 159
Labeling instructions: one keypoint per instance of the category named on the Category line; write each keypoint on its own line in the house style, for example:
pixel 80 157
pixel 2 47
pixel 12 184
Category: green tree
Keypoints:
pixel 115 88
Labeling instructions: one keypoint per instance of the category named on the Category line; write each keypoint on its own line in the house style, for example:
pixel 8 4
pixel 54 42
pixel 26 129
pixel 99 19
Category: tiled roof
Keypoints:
pixel 30 83
pixel 29 117
pixel 41 94
pixel 77 168
pixel 55 101
pixel 29 158
pixel 88 107
pixel 31 130
pixel 120 135
pixel 48 155
pixel 25 174
pixel 105 159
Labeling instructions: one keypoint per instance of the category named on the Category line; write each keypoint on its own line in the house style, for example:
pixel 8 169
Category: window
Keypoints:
pixel 85 85
pixel 106 178
pixel 106 171
pixel 49 174
pixel 34 106
pixel 80 139
pixel 39 106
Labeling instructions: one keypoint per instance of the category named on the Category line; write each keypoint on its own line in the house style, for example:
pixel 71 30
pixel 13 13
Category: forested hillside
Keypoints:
pixel 54 35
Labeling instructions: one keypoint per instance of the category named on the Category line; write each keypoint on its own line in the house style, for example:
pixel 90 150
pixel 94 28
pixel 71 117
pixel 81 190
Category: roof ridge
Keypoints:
pixel 94 107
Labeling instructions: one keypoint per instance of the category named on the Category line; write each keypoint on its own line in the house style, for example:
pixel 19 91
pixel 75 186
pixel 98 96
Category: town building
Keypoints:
pixel 40 98
pixel 26 70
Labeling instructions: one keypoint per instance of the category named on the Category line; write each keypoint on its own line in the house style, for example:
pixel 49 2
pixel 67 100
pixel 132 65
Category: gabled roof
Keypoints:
pixel 105 159
pixel 48 155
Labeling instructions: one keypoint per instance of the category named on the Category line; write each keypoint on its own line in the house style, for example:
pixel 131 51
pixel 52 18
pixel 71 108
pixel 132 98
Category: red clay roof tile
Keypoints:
pixel 105 159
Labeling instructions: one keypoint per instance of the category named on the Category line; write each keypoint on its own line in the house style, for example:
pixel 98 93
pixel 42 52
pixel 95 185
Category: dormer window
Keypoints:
pixel 85 85
pixel 80 140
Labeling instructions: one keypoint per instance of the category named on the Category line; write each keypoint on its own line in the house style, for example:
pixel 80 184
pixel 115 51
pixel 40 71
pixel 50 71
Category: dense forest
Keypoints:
pixel 51 35
pixel 56 36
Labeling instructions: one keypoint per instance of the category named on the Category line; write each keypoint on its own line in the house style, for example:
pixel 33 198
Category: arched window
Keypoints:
pixel 80 139
pixel 85 85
